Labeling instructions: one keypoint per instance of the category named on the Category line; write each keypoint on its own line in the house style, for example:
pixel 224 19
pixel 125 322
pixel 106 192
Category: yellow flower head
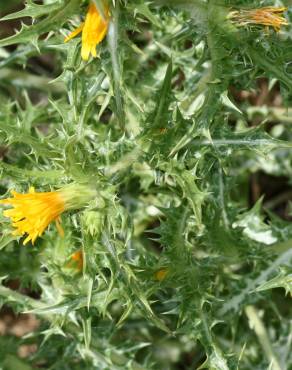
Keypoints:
pixel 93 31
pixel 33 212
pixel 77 260
pixel 269 16
pixel 161 274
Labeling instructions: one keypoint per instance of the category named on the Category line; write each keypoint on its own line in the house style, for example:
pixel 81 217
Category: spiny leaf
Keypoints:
pixel 52 22
pixel 159 118
pixel 254 227
pixel 34 10
pixel 283 280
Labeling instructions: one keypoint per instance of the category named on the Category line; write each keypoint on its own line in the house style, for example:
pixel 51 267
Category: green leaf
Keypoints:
pixel 158 119
pixel 253 226
pixel 34 10
pixel 283 280
pixel 54 21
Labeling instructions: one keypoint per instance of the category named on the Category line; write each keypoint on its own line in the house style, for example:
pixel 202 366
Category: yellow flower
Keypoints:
pixel 269 16
pixel 161 274
pixel 93 31
pixel 33 212
pixel 77 260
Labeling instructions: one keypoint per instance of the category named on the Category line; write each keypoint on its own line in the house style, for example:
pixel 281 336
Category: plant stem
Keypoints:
pixel 257 324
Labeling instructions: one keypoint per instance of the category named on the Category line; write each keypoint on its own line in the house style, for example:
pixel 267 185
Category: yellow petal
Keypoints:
pixel 59 227
pixel 74 33
pixel 94 31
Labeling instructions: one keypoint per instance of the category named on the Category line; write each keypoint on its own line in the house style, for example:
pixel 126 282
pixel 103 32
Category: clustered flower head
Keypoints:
pixel 93 29
pixel 33 212
pixel 268 16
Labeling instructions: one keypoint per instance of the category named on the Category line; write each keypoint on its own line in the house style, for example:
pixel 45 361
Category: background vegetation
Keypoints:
pixel 183 126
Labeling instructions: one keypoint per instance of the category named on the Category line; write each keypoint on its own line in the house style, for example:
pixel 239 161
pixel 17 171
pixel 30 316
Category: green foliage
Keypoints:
pixel 154 127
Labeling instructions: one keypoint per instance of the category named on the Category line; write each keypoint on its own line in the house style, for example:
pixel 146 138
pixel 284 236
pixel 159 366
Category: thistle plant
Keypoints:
pixel 156 136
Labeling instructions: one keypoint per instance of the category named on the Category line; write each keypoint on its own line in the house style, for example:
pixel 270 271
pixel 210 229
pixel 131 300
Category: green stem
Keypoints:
pixel 113 35
pixel 257 324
